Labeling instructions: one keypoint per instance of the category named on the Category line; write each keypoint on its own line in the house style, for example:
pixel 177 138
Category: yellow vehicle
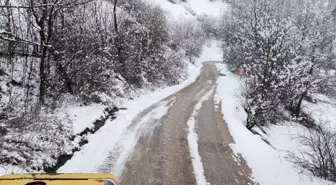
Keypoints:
pixel 59 179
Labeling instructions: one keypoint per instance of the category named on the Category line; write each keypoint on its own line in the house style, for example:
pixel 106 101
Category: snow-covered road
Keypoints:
pixel 173 136
pixel 168 149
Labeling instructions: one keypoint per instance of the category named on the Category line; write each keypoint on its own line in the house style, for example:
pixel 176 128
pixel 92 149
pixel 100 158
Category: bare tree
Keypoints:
pixel 317 152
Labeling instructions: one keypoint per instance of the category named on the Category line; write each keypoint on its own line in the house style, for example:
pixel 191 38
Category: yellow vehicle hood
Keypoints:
pixel 57 179
pixel 53 182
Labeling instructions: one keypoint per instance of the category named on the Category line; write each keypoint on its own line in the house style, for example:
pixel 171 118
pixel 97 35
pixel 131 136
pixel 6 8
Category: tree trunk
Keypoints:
pixel 115 16
pixel 122 67
pixel 42 75
pixel 67 79
pixel 303 95
pixel 8 26
pixel 298 105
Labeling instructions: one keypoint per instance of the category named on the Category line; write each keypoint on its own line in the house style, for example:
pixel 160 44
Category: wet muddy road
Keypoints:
pixel 161 155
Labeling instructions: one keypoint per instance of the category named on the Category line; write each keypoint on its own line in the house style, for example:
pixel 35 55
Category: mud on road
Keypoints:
pixel 161 155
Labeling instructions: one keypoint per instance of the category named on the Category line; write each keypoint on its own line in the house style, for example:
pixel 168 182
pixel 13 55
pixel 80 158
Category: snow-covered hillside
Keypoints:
pixel 192 8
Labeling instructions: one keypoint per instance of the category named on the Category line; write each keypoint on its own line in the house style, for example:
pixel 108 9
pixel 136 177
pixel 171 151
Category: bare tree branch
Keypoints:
pixel 67 5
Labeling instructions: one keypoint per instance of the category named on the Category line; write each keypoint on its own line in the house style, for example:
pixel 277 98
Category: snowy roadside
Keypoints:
pixel 82 118
pixel 128 140
pixel 92 155
pixel 323 111
pixel 268 163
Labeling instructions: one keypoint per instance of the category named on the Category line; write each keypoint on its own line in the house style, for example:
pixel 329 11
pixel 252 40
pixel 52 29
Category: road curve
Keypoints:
pixel 161 155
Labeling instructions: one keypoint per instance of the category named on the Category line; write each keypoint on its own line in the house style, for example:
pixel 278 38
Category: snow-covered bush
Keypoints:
pixel 283 49
pixel 261 44
pixel 34 141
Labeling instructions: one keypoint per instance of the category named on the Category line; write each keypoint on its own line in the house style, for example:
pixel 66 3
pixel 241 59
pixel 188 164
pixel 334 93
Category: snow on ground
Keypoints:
pixel 175 11
pixel 323 111
pixel 268 164
pixel 210 52
pixel 130 137
pixel 193 142
pixel 191 8
pixel 93 154
pixel 214 8
pixel 83 116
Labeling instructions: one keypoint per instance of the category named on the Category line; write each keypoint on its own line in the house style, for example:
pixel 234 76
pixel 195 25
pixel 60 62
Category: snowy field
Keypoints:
pixel 268 163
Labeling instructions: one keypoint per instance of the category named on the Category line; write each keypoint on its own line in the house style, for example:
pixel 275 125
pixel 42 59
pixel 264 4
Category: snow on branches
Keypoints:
pixel 283 47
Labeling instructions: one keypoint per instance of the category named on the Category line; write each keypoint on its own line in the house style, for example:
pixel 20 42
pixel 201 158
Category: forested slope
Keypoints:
pixel 60 53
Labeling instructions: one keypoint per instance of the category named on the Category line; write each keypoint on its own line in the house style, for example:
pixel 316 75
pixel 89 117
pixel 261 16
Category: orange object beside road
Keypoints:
pixel 241 70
